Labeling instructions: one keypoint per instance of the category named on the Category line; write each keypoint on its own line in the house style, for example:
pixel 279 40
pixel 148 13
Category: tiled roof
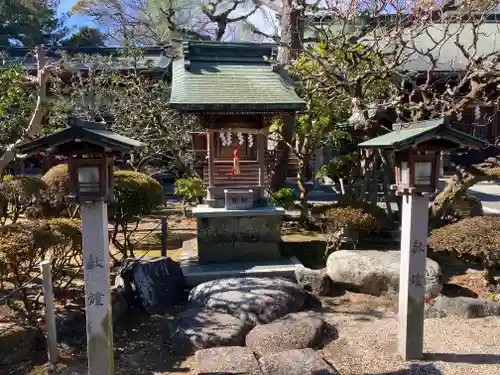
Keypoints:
pixel 156 58
pixel 448 55
pixel 230 76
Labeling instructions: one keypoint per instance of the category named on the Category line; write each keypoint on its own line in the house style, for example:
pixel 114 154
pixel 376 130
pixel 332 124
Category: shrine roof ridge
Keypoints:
pixel 233 52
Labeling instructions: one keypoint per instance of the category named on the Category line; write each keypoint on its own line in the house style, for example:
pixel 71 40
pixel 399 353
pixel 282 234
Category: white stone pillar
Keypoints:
pixel 414 228
pixel 97 288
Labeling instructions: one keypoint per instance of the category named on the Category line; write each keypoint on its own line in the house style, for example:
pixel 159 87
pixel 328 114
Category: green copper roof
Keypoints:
pixel 407 135
pixel 230 76
pixel 154 59
pixel 80 131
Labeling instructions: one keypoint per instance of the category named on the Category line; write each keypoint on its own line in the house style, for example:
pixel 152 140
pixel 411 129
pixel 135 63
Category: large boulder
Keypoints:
pixel 376 272
pixel 294 331
pixel 158 283
pixel 254 300
pixel 234 360
pixel 199 328
pixel 467 307
pixel 295 362
pixel 120 302
pixel 16 342
pixel 316 282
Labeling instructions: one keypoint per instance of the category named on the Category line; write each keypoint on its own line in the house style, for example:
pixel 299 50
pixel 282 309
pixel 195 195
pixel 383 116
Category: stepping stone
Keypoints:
pixel 295 331
pixel 200 328
pixel 254 300
pixel 296 362
pixel 376 272
pixel 232 360
pixel 467 307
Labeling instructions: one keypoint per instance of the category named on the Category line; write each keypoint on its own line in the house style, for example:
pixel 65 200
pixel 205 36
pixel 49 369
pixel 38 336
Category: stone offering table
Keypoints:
pixel 238 235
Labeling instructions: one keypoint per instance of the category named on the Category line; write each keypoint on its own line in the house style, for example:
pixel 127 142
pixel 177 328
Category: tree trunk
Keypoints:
pixel 457 186
pixel 36 119
pixel 291 26
pixel 301 174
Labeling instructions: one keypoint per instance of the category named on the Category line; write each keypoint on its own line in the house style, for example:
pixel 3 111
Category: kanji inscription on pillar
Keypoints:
pixel 414 230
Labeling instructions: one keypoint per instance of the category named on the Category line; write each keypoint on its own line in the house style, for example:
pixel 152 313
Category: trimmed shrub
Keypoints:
pixel 474 239
pixel 136 195
pixel 284 197
pixel 23 245
pixel 379 214
pixel 350 218
pixel 340 222
pixel 19 193
pixel 53 203
pixel 189 189
pixel 65 250
pixel 57 179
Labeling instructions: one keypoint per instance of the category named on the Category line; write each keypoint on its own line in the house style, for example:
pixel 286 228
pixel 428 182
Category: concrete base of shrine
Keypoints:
pixel 238 235
pixel 196 273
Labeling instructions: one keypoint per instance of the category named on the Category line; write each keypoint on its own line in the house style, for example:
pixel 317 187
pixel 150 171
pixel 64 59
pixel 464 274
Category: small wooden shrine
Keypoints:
pixel 236 93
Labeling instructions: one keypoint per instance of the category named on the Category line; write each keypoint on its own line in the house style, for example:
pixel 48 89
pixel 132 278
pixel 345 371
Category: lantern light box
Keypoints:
pixel 417 147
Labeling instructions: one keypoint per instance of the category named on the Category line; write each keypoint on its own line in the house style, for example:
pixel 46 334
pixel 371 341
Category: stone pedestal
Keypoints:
pixel 238 235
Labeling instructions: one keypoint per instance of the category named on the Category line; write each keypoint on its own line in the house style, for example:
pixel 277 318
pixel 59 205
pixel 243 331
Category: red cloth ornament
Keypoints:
pixel 236 162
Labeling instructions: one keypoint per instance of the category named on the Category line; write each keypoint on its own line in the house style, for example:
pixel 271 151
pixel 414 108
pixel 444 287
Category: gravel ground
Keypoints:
pixel 367 343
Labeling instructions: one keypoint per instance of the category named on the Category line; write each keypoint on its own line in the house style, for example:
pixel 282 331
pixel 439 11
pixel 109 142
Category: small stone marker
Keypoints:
pixel 414 228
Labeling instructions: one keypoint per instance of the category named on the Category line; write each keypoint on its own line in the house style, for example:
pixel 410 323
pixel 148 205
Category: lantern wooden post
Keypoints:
pixel 94 215
pixel 414 228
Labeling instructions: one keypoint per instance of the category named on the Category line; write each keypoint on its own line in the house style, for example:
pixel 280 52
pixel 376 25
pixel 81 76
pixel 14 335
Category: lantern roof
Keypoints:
pixel 81 136
pixel 405 135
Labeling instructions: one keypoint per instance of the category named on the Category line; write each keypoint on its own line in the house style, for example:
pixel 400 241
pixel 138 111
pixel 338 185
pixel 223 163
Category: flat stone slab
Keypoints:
pixel 376 272
pixel 196 273
pixel 295 362
pixel 200 328
pixel 256 300
pixel 467 307
pixel 233 360
pixel 294 331
pixel 203 210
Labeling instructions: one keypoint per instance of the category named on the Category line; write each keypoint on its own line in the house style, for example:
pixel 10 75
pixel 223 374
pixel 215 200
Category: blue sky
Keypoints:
pixel 75 21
